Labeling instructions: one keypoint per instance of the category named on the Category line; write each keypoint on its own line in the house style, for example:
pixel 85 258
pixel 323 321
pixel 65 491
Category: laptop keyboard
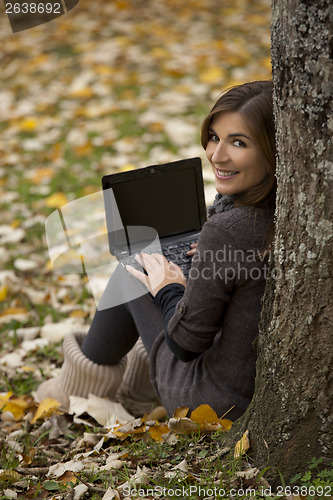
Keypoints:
pixel 176 253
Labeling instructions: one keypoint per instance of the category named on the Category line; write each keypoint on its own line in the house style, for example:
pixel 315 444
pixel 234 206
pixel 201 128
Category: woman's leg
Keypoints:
pixel 115 330
pixel 96 363
pixel 111 336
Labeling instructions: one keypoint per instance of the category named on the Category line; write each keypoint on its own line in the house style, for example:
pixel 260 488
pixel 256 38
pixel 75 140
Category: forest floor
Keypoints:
pixel 108 87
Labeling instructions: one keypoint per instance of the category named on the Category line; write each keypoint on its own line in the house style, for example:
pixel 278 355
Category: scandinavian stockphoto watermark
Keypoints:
pixel 87 235
pixel 25 14
pixel 218 492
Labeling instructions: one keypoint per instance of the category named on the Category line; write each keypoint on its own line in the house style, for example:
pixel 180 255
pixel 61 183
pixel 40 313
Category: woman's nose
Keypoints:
pixel 220 154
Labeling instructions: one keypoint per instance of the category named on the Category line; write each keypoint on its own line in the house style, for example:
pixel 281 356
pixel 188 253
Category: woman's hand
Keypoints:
pixel 160 272
pixel 191 252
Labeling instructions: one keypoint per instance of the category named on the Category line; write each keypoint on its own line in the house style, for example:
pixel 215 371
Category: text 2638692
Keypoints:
pixel 33 8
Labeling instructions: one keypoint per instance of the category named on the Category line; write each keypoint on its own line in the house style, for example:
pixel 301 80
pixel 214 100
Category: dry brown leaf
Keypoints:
pixel 242 445
pixel 28 458
pixel 132 428
pixel 9 476
pixel 158 413
pixel 181 412
pixel 68 477
pixel 182 425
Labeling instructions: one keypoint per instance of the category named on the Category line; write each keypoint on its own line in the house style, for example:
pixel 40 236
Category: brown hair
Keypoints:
pixel 254 102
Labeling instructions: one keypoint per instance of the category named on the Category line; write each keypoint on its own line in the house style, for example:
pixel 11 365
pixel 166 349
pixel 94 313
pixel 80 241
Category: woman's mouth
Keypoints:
pixel 225 174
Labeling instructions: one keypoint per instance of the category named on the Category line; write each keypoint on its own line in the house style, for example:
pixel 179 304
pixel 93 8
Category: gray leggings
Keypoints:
pixel 114 330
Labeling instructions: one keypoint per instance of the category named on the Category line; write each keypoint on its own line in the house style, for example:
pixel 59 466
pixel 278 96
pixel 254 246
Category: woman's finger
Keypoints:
pixel 138 274
pixel 149 261
pixel 193 249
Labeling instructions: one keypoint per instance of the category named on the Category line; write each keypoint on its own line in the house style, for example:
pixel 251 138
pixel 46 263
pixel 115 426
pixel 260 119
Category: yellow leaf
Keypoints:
pixel 159 52
pixel 181 412
pixel 40 174
pixel 134 427
pixel 14 404
pixel 157 431
pixel 204 414
pixel 242 445
pixel 226 423
pixel 122 5
pixel 127 167
pixel 28 124
pixel 90 189
pixel 13 310
pixel 214 74
pixel 84 150
pixel 267 63
pixel 4 398
pixel 56 151
pixel 78 314
pixel 104 70
pixel 83 92
pixel 3 292
pixel 256 19
pixel 56 200
pixel 28 369
pixel 45 409
pixel 16 410
pixel 156 127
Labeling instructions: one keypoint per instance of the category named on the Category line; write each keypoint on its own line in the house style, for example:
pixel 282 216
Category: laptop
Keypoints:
pixel 159 208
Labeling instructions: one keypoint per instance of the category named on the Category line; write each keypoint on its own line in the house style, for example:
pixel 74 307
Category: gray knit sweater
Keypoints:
pixel 218 317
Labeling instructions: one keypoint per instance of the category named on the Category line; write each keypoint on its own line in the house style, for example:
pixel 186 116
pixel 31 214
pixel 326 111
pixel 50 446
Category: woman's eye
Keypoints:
pixel 239 144
pixel 213 137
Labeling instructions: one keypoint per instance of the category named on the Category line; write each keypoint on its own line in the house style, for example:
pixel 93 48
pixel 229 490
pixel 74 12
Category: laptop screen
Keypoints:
pixel 168 198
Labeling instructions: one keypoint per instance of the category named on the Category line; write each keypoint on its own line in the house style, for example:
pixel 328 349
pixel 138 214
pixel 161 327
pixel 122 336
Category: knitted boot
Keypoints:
pixel 136 392
pixel 80 377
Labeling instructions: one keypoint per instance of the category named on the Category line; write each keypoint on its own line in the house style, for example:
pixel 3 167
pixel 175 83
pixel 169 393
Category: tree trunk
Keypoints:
pixel 290 419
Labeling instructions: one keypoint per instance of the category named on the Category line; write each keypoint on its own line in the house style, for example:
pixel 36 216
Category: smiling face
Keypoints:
pixel 238 163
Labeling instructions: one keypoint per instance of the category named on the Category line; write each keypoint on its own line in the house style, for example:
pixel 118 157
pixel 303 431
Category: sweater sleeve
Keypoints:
pixel 200 313
pixel 167 299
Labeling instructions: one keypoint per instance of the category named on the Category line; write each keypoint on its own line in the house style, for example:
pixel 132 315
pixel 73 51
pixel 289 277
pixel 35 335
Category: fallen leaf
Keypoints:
pixel 16 406
pixel 106 412
pixel 59 469
pixel 68 477
pixel 56 200
pixel 27 459
pixel 181 412
pixel 46 408
pixel 3 292
pixel 182 425
pixel 204 414
pixel 111 494
pixel 242 445
pixel 9 475
pixel 25 264
pixel 157 431
pixel 226 423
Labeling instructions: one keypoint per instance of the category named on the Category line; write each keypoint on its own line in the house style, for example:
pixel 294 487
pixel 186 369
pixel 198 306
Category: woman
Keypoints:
pixel 198 334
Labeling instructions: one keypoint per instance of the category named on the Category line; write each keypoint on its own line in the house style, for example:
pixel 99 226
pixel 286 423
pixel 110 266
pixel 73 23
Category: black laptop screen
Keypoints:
pixel 165 197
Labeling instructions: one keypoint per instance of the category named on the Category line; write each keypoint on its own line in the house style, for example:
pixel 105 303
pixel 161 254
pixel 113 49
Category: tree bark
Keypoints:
pixel 290 419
